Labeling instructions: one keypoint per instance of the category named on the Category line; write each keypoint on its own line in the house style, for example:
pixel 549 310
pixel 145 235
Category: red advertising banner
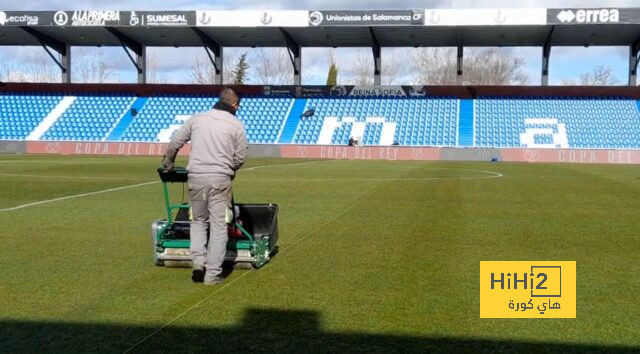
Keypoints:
pixel 359 152
pixel 355 152
pixel 572 156
pixel 94 148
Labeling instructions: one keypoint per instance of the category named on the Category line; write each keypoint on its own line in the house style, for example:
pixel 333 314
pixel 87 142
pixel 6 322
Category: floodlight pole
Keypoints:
pixel 63 49
pixel 459 62
pixel 633 62
pixel 377 54
pixel 546 53
pixel 295 54
pixel 128 43
pixel 211 46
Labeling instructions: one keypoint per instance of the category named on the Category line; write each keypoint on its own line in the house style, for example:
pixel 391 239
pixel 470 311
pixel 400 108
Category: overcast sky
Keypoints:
pixel 566 62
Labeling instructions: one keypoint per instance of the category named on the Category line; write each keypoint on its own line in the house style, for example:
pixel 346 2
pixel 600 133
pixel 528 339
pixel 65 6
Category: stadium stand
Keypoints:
pixel 89 118
pixel 558 122
pixel 20 114
pixel 410 121
pixel 262 117
pixel 554 122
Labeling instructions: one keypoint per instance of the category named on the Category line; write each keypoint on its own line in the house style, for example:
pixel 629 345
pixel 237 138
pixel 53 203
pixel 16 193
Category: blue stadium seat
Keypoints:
pixel 589 122
pixel 498 122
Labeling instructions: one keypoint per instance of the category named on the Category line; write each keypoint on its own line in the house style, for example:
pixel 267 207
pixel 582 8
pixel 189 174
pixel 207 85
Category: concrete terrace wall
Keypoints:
pixel 601 156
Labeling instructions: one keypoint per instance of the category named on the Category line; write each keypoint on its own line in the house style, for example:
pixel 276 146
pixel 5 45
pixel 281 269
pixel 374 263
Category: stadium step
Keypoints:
pixel 465 123
pixel 118 131
pixel 291 124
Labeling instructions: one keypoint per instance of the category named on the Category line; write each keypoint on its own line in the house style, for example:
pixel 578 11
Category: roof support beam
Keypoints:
pixel 65 64
pixel 64 50
pixel 377 54
pixel 634 48
pixel 546 53
pixel 211 46
pixel 295 54
pixel 459 62
pixel 129 44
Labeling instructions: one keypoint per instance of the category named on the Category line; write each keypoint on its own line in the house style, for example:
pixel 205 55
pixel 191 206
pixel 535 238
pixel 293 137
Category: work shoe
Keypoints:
pixel 197 275
pixel 212 279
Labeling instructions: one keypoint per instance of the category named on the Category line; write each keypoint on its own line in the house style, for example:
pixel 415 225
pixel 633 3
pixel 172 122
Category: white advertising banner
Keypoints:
pixel 485 17
pixel 263 18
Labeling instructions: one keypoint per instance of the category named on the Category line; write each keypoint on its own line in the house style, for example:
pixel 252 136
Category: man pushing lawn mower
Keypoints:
pixel 218 150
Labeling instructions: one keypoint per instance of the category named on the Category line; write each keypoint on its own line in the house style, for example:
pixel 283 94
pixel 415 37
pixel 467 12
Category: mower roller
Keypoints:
pixel 253 230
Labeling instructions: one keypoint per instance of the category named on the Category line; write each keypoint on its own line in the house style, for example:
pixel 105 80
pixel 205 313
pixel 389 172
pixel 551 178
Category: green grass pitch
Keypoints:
pixel 375 256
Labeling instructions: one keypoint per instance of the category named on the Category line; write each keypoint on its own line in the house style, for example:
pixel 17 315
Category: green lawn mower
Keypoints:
pixel 253 232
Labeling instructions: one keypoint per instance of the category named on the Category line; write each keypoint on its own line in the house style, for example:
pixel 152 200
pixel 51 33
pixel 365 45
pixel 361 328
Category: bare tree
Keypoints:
pixel 228 75
pixel 273 67
pixel 393 69
pixel 492 66
pixel 434 66
pixel 602 75
pixel 34 68
pixel 360 70
pixel 41 68
pixel 93 67
pixel 154 75
pixel 202 71
pixel 10 71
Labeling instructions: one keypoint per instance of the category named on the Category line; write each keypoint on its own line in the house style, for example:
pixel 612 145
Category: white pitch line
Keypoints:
pixel 226 285
pixel 302 238
pixel 72 177
pixel 76 196
pixel 492 175
pixel 280 164
pixel 58 162
pixel 367 180
pixel 118 188
pixel 222 287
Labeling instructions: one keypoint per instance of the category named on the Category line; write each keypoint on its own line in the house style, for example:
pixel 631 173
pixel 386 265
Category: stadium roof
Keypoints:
pixel 391 28
pixel 460 28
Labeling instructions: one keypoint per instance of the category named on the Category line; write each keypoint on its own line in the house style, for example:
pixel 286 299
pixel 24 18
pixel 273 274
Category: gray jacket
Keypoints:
pixel 218 145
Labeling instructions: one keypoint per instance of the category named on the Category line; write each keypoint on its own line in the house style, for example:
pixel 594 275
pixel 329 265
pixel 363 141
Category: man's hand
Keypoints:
pixel 168 165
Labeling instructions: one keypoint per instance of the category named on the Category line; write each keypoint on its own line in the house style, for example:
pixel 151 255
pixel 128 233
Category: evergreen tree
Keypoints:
pixel 240 71
pixel 332 77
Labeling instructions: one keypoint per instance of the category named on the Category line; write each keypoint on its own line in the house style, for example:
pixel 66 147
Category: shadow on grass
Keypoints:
pixel 261 330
